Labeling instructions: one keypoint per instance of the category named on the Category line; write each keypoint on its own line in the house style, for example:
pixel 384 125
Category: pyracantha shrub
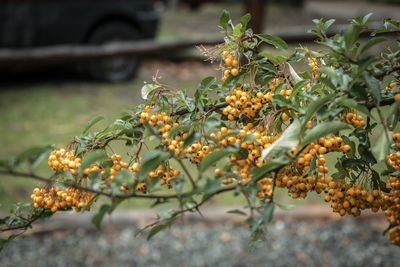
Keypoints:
pixel 272 120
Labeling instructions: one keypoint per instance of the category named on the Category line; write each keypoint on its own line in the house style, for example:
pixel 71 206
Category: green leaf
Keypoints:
pixel 244 20
pixel 276 41
pixel 314 106
pixel 323 129
pixel 33 155
pixel 202 87
pixel 272 164
pixel 3 242
pixel 294 74
pixel 366 17
pixel 351 103
pixel 160 227
pixel 123 177
pixel 351 35
pixel 298 86
pixel 382 146
pixel 318 23
pixel 91 123
pixel 211 123
pixel 266 213
pixel 140 230
pixel 236 211
pixel 210 187
pixel 315 33
pixel 371 43
pixel 327 24
pixel 373 85
pixel 214 157
pixel 98 218
pixel 174 131
pixel 286 207
pixel 249 137
pixel 148 89
pixel 289 139
pixel 150 161
pixel 267 54
pixel 224 19
pixel 92 157
pixel 237 30
pixel 393 116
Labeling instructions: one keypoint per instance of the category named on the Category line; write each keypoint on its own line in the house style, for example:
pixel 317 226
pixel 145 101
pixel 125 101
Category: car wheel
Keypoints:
pixel 118 68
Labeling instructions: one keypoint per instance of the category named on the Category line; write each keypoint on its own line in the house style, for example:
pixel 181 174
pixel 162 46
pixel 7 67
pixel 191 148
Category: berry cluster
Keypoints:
pixel 391 85
pixel 390 88
pixel 197 152
pixel 314 66
pixel 176 144
pixel 396 138
pixel 118 164
pixel 274 83
pixel 61 160
pixel 242 102
pixel 245 163
pixel 159 119
pixel 394 160
pixel 55 198
pixel 392 200
pixel 265 187
pixel 285 92
pixel 165 174
pixel 293 176
pixel 392 208
pixel 353 119
pixel 92 168
pixel 231 63
pixel 394 236
pixel 352 198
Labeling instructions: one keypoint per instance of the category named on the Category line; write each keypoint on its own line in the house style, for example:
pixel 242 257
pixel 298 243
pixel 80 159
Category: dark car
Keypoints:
pixel 32 23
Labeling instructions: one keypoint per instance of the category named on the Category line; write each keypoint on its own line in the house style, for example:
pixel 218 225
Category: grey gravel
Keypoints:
pixel 288 243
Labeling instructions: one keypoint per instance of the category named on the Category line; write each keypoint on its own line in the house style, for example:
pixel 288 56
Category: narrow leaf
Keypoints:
pixel 324 129
pixel 98 218
pixel 160 227
pixel 289 139
pixel 237 212
pixel 371 43
pixel 276 41
pixel 91 123
pixel 381 148
pixel 351 103
pixel 224 19
pixel 393 116
pixel 214 157
pixel 373 85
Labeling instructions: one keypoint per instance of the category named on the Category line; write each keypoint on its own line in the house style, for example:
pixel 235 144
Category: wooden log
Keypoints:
pixel 76 53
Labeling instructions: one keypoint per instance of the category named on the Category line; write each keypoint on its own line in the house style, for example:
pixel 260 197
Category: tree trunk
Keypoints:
pixel 256 9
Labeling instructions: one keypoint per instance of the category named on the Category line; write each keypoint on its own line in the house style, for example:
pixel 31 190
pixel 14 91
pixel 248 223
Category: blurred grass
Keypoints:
pixel 52 114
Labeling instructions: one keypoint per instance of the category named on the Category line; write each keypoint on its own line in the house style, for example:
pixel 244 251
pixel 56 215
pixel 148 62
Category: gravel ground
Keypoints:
pixel 288 243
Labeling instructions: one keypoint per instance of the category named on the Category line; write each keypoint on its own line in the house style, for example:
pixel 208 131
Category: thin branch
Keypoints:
pixel 245 194
pixel 187 172
pixel 23 226
pixel 87 189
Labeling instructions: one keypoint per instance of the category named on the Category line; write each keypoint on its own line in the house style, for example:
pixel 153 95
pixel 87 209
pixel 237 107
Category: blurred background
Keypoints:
pixel 64 62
